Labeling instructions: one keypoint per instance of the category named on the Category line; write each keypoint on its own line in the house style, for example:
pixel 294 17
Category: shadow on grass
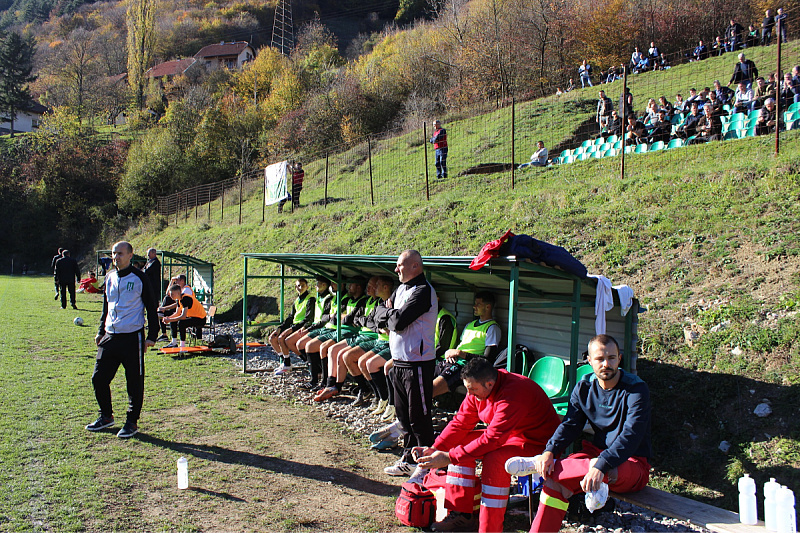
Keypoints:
pixel 694 411
pixel 223 495
pixel 320 473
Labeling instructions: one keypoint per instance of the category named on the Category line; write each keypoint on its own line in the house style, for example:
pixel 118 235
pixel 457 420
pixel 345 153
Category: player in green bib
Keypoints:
pixel 321 316
pixel 301 315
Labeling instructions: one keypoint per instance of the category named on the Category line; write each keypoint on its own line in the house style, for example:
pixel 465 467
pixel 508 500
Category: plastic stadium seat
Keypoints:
pixel 612 152
pixel 603 147
pixel 617 145
pixel 591 149
pixel 732 134
pixel 641 148
pixel 612 139
pixel 753 115
pixel 737 117
pixel 599 141
pixel 794 107
pixel 582 371
pixel 656 146
pixel 567 160
pixel 550 374
pixel 586 143
pixel 598 154
pixel 676 119
pixel 578 151
pixel 630 149
pixel 565 153
pixel 675 143
pixel 751 131
pixel 584 156
pixel 727 108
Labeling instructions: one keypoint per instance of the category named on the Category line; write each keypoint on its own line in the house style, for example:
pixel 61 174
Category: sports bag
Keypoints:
pixel 416 505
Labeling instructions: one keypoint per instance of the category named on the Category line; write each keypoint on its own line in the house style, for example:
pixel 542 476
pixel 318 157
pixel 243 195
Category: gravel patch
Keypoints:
pixel 357 421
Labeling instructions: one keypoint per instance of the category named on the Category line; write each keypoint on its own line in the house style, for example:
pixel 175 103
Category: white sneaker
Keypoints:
pixel 392 431
pixel 388 414
pixel 522 466
pixel 380 407
pixel 173 344
pixel 399 468
pixel 282 370
pixel 419 475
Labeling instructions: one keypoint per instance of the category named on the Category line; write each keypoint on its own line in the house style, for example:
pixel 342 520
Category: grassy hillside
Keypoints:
pixel 706 236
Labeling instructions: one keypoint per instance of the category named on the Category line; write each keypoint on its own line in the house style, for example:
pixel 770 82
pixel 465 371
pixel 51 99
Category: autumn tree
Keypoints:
pixel 141 37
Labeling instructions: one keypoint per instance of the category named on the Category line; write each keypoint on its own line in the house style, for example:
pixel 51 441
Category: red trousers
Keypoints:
pixel 465 493
pixel 630 476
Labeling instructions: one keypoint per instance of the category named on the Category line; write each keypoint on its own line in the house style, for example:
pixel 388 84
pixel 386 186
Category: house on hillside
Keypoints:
pixel 225 55
pixel 27 120
pixel 167 70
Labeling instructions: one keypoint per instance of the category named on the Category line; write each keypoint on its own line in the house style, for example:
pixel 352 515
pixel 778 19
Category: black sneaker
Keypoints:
pixel 128 430
pixel 101 423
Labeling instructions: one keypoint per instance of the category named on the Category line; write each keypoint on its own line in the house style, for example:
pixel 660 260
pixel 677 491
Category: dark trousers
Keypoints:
pixel 67 287
pixel 413 401
pixel 441 162
pixel 126 349
pixel 181 325
pixel 55 282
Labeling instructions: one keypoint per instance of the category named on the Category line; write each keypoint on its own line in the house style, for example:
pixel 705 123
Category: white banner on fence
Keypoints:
pixel 275 177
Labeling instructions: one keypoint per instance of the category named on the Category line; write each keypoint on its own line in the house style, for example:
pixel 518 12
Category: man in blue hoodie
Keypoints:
pixel 120 338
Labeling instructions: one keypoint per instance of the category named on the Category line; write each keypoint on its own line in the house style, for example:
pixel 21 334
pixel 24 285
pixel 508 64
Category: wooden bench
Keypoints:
pixel 694 512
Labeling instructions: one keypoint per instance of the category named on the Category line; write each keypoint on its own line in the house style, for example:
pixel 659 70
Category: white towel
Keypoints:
pixel 625 294
pixel 604 301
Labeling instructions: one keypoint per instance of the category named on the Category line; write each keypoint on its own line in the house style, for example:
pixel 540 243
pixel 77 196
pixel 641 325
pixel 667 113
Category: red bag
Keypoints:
pixel 416 505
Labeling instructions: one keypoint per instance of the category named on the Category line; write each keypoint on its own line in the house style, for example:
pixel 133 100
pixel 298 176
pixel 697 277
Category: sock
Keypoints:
pixel 287 361
pixel 338 384
pixel 183 344
pixel 174 339
pixel 363 386
pixel 324 365
pixel 332 381
pixel 302 354
pixel 552 508
pixel 390 390
pixel 379 379
pixel 375 390
pixel 316 365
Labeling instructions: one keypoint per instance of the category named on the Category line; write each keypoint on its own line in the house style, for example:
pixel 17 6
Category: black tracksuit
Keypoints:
pixel 67 273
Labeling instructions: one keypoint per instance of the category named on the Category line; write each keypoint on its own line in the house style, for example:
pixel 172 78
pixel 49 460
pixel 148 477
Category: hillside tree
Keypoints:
pixel 141 39
pixel 16 65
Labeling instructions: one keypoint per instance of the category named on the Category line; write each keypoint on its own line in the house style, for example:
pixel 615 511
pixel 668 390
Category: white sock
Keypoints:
pixel 183 344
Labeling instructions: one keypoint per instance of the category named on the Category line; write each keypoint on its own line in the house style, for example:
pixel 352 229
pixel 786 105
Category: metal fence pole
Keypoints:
pixel 196 203
pixel 425 144
pixel 241 187
pixel 513 140
pixel 264 200
pixel 778 92
pixel 209 204
pixel 369 155
pixel 222 204
pixel 624 120
pixel 325 201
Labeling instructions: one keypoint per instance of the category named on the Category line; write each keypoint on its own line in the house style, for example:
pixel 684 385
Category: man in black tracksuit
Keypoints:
pixel 53 269
pixel 153 272
pixel 410 316
pixel 67 273
pixel 120 339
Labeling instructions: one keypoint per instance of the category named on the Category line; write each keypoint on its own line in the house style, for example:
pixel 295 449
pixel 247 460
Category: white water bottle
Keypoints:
pixel 787 520
pixel 747 500
pixel 771 488
pixel 183 473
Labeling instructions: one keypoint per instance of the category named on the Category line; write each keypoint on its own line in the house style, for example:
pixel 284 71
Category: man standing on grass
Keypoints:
pixel 153 272
pixel 120 339
pixel 53 268
pixel 68 272
pixel 439 141
pixel 617 406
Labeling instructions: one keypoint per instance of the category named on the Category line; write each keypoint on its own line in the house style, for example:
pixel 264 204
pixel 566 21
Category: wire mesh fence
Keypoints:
pixel 624 137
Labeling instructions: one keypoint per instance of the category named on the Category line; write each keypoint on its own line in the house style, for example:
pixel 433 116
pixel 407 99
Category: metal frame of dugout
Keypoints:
pixel 199 273
pixel 547 309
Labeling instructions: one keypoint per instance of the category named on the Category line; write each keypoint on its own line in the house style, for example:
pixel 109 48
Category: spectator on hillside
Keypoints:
pixel 709 128
pixel 689 126
pixel 766 28
pixel 68 272
pixel 298 174
pixel 719 46
pixel 654 53
pixel 570 85
pixel 790 91
pixel 680 104
pixel 644 64
pixel 539 158
pixel 780 21
pixel 767 118
pixel 614 125
pixel 761 92
pixel 604 108
pixel 636 58
pixel 716 104
pixel 733 36
pixel 626 103
pixel 744 70
pixel 796 75
pixel 724 93
pixel 611 75
pixel 752 37
pixel 700 52
pixel 651 113
pixel 636 131
pixel 585 73
pixel 439 141
pixel 559 91
pixel 694 98
pixel 661 128
pixel 743 99
pixel 663 104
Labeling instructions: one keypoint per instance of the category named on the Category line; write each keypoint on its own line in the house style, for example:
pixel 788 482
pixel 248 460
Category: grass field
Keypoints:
pixel 248 462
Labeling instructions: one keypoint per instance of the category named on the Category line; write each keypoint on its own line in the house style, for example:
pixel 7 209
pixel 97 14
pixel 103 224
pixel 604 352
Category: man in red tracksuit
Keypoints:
pixel 519 416
pixel 439 141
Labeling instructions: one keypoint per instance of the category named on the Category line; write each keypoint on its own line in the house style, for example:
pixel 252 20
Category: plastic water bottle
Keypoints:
pixel 747 500
pixel 771 488
pixel 183 473
pixel 787 520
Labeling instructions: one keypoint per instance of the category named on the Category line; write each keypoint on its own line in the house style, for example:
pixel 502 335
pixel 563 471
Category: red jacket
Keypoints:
pixel 517 412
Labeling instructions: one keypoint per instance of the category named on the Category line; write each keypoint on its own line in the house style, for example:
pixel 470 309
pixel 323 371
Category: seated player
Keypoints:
pixel 189 314
pixel 481 337
pixel 617 406
pixel 91 284
pixel 302 314
pixel 343 357
pixel 518 415
pixel 322 313
pixel 166 308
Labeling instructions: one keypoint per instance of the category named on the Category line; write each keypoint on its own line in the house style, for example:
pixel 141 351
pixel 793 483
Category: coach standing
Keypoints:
pixel 67 272
pixel 120 339
pixel 152 270
pixel 410 316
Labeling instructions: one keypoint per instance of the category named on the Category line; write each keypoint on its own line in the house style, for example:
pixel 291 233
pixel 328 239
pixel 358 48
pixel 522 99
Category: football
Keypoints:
pixel 78 321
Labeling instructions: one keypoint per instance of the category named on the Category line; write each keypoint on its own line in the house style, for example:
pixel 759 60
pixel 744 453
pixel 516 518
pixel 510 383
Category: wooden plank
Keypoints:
pixel 697 513
pixel 185 349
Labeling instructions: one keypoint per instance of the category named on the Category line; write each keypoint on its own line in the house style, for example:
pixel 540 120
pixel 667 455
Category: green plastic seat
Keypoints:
pixel 567 160
pixel 550 374
pixel 586 155
pixel 587 142
pixel 617 145
pixel 732 134
pixel 565 153
pixel 582 371
pixel 794 107
pixel 641 148
pixel 599 141
pixel 612 139
pixel 737 118
pixel 656 146
pixel 675 143
pixel 591 149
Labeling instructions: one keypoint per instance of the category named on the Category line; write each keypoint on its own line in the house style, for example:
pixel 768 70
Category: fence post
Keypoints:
pixel 369 155
pixel 241 186
pixel 778 92
pixel 196 204
pixel 425 144
pixel 222 204
pixel 325 201
pixel 264 199
pixel 209 204
pixel 513 140
pixel 177 207
pixel 624 102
